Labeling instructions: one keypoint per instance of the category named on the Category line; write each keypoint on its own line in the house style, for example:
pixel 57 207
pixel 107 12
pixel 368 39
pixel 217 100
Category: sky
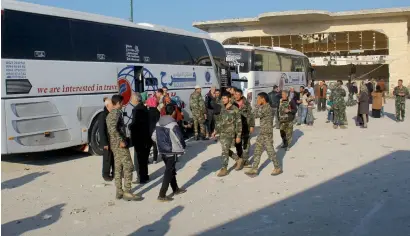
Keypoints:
pixel 182 13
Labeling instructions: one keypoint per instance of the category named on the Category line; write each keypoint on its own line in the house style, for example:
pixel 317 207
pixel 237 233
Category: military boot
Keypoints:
pixel 131 197
pixel 223 172
pixel 277 171
pixel 284 144
pixel 239 164
pixel 247 164
pixel 335 126
pixel 119 193
pixel 252 172
pixel 196 137
pixel 345 127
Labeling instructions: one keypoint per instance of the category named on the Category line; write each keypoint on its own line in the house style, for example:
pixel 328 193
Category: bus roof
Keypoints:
pixel 274 49
pixel 59 12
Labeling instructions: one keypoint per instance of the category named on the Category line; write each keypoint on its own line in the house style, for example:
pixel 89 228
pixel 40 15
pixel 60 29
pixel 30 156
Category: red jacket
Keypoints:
pixel 178 113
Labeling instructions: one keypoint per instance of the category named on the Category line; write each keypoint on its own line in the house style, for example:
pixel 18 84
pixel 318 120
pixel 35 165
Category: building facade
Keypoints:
pixel 366 44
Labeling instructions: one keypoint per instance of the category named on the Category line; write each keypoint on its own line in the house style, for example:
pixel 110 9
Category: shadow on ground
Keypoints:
pixel 161 226
pixel 193 149
pixel 370 200
pixel 22 180
pixel 45 158
pixel 43 219
pixel 391 116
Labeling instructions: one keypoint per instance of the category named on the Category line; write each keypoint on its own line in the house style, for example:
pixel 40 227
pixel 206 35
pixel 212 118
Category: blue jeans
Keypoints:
pixel 302 112
pixel 382 111
pixel 330 115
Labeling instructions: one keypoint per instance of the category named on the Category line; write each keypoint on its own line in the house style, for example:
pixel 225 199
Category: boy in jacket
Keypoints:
pixel 170 142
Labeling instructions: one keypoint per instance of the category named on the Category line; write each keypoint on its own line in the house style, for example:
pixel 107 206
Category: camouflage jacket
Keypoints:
pixel 337 97
pixel 397 90
pixel 265 114
pixel 287 116
pixel 229 122
pixel 247 118
pixel 197 104
pixel 116 128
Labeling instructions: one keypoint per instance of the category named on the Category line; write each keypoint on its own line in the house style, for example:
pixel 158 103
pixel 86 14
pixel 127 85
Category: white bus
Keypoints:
pixel 260 68
pixel 58 65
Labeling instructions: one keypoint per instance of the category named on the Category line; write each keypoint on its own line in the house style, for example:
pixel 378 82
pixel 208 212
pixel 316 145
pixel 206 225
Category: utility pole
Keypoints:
pixel 132 11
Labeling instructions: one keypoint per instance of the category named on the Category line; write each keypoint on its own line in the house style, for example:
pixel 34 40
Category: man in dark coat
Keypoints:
pixel 274 98
pixel 108 157
pixel 140 138
pixel 209 104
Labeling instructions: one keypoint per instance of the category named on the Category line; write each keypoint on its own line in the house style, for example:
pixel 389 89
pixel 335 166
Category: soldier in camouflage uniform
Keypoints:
pixel 248 125
pixel 339 105
pixel 264 112
pixel 400 92
pixel 287 111
pixel 122 158
pixel 229 126
pixel 197 106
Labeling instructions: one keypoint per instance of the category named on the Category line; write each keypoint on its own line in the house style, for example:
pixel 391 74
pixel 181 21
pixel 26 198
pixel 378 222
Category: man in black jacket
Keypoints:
pixel 209 105
pixel 140 138
pixel 274 98
pixel 108 157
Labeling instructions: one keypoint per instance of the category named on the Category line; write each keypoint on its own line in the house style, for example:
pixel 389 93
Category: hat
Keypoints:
pixel 197 87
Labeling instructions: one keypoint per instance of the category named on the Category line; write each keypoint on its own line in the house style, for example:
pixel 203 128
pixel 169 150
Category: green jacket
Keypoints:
pixel 116 128
pixel 229 122
pixel 397 90
pixel 197 104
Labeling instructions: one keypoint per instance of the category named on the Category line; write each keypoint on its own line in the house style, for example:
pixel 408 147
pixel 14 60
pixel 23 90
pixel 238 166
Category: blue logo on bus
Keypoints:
pixel 208 77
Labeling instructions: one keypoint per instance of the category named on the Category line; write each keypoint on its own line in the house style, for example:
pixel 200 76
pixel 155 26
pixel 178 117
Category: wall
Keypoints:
pixel 396 29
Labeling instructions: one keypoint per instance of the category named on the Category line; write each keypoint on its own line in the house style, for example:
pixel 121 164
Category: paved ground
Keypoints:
pixel 335 182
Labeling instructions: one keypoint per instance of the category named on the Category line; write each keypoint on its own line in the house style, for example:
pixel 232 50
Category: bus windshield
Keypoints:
pixel 238 57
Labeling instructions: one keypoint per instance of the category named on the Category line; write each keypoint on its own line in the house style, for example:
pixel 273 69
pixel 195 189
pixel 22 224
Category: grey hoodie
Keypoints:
pixel 168 136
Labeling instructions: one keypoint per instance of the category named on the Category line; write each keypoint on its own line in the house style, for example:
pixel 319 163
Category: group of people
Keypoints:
pixel 158 123
pixel 155 124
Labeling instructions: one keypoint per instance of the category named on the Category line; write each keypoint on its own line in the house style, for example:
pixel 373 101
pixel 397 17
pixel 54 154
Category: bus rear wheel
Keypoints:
pixel 94 140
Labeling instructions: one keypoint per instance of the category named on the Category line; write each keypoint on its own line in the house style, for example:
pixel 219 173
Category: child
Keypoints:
pixel 170 142
pixel 310 107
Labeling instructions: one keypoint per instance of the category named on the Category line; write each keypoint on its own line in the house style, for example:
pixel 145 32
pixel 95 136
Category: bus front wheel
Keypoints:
pixel 94 140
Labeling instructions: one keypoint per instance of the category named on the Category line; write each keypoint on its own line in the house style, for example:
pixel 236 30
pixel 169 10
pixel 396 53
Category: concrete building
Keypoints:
pixel 359 44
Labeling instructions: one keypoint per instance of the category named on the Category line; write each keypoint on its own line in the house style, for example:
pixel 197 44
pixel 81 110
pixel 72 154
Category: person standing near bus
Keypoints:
pixel 274 98
pixel 108 157
pixel 197 106
pixel 118 145
pixel 400 92
pixel 140 138
pixel 287 111
pixel 248 126
pixel 263 111
pixel 229 126
pixel 210 103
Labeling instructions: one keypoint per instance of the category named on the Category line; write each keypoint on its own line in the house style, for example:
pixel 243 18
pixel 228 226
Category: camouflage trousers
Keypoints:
pixel 286 132
pixel 123 164
pixel 199 121
pixel 264 141
pixel 226 143
pixel 339 116
pixel 400 110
